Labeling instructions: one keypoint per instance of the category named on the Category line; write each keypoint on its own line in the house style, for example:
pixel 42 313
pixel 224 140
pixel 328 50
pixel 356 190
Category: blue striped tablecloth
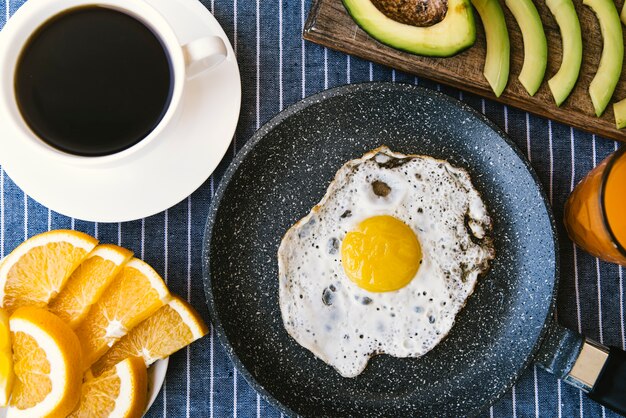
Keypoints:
pixel 278 69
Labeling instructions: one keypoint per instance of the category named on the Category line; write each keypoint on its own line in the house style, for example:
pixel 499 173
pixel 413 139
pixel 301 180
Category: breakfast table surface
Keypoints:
pixel 278 69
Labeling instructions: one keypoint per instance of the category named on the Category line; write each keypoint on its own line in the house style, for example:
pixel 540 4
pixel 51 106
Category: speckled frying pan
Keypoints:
pixel 284 170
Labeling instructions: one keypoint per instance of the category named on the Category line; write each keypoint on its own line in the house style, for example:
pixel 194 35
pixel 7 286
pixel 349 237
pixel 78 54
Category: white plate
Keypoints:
pixel 156 377
pixel 174 166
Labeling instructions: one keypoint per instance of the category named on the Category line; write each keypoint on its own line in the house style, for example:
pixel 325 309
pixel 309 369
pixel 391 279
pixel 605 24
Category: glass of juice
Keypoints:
pixel 595 213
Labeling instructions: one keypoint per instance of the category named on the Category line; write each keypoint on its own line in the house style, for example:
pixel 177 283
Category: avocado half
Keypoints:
pixel 450 35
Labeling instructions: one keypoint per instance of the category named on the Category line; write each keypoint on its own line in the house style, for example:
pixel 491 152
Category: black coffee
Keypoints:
pixel 93 81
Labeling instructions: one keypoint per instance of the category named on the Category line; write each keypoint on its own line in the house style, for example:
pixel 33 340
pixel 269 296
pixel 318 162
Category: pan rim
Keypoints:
pixel 293 110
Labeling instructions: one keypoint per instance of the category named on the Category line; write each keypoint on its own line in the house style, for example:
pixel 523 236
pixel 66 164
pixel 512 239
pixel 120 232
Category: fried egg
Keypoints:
pixel 384 263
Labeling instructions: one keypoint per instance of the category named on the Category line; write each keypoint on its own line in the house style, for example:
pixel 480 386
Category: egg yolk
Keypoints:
pixel 381 255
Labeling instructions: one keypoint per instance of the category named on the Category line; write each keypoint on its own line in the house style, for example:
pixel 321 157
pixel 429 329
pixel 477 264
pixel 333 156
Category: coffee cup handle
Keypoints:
pixel 204 54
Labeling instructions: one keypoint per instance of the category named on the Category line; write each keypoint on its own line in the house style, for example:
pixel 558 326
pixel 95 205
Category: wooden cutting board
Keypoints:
pixel 329 24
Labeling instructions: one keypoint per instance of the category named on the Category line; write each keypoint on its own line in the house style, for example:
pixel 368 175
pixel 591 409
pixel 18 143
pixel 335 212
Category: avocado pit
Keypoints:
pixel 419 13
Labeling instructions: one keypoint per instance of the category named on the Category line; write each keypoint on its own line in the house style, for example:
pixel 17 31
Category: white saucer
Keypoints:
pixel 179 162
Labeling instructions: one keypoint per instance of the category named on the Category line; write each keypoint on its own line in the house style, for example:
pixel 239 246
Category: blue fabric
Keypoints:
pixel 278 69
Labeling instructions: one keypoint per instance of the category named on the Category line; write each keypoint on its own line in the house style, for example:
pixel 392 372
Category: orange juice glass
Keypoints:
pixel 595 213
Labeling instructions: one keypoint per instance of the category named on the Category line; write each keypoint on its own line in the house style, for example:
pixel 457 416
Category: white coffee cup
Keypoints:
pixel 187 61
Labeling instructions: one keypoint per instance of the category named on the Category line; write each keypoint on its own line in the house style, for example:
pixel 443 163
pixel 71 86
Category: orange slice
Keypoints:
pixel 136 293
pixel 6 360
pixel 88 282
pixel 121 391
pixel 171 328
pixel 46 356
pixel 36 271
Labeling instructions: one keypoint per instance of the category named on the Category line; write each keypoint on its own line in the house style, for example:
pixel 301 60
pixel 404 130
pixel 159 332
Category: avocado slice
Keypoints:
pixel 610 68
pixel 619 109
pixel 563 82
pixel 497 60
pixel 535 44
pixel 452 34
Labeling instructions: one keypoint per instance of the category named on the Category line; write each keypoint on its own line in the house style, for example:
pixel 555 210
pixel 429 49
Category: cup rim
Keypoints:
pixel 31 20
pixel 605 176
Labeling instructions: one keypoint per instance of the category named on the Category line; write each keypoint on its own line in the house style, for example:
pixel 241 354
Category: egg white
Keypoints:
pixel 343 324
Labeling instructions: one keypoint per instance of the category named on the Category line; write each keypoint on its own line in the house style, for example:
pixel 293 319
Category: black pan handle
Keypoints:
pixel 598 370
